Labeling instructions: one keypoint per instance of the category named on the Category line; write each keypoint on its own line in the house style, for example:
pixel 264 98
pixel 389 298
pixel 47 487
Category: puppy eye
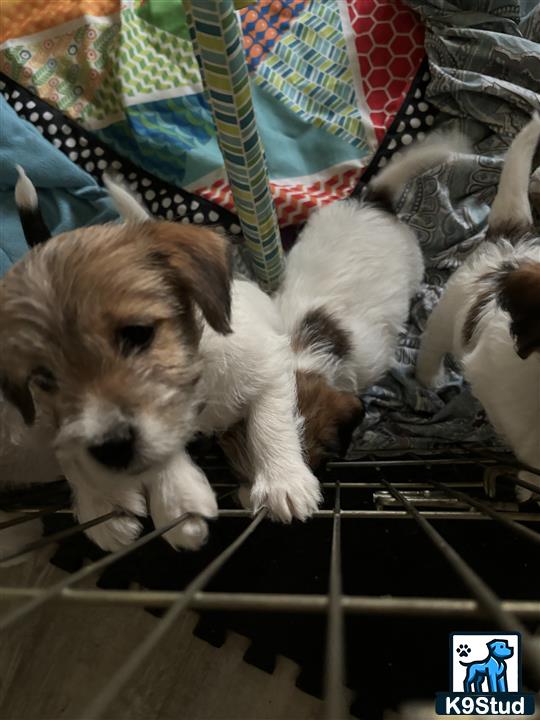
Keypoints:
pixel 135 338
pixel 43 378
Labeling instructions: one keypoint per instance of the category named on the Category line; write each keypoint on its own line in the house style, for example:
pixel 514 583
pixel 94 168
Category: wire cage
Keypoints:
pixel 404 550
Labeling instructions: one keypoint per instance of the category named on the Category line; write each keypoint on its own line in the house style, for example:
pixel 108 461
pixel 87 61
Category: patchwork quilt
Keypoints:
pixel 328 78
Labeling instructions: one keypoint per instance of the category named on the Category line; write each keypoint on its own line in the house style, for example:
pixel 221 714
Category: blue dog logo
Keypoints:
pixel 491 686
pixel 493 668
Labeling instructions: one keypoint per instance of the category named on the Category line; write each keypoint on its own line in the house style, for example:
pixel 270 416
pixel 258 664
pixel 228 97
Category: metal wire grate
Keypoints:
pixel 428 491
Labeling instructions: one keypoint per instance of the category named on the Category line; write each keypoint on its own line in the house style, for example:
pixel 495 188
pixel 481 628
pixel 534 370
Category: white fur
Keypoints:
pixel 125 203
pixel 362 266
pixel 249 375
pixel 418 158
pixel 512 200
pixel 507 386
pixel 25 192
pixel 181 488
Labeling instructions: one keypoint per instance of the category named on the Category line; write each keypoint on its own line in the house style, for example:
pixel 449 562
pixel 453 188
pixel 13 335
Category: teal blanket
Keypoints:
pixel 69 197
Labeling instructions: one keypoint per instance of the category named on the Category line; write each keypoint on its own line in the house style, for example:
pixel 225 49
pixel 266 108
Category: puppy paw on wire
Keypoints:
pixel 295 495
pixel 182 488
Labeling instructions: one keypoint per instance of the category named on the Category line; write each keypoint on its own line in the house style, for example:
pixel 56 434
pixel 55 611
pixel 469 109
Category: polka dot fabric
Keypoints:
pixel 414 120
pixel 162 199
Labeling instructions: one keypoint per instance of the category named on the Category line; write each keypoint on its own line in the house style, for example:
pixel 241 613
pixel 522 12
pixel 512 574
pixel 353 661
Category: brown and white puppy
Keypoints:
pixel 131 339
pixel 489 314
pixel 346 294
pixel 327 417
pixel 326 421
pixel 100 327
pixel 344 300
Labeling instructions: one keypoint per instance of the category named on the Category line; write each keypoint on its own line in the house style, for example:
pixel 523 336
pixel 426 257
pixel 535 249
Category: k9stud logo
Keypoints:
pixel 485 676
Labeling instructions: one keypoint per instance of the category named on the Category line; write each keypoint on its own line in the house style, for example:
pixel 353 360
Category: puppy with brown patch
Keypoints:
pixel 130 339
pixel 489 314
pixel 344 300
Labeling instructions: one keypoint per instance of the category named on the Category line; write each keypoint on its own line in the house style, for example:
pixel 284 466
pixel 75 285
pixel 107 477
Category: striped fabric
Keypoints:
pixel 309 71
pixel 218 43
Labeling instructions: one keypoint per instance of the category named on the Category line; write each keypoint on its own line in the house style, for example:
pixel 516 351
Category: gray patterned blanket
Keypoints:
pixel 484 58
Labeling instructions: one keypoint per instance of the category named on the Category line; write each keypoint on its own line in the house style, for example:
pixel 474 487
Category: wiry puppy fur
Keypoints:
pixel 489 314
pixel 130 340
pixel 344 300
pixel 346 295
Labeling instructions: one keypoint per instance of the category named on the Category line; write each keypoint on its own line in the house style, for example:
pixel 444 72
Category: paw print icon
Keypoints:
pixel 463 650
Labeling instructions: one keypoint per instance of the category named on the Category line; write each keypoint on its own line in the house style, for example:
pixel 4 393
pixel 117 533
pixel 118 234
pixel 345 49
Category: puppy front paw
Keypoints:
pixel 115 533
pixel 182 489
pixel 296 495
pixel 191 534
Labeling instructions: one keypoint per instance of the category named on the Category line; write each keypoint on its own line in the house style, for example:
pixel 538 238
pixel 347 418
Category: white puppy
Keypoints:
pixel 344 300
pixel 347 290
pixel 131 339
pixel 489 314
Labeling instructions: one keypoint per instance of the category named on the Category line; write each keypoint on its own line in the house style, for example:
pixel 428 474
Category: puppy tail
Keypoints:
pixel 511 210
pixel 386 187
pixel 124 202
pixel 33 225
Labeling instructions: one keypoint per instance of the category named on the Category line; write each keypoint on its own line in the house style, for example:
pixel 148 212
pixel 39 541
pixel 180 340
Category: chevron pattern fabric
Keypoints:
pixel 218 42
pixel 309 70
pixel 326 79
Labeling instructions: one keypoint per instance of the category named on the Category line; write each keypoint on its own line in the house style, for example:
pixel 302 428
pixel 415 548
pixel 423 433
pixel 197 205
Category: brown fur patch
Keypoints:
pixel 475 313
pixel 198 263
pixel 318 328
pixel 489 282
pixel 329 415
pixel 519 295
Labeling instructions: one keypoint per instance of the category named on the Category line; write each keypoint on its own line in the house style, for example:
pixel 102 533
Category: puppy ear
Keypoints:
pixel 21 397
pixel 198 263
pixel 519 295
pixel 26 199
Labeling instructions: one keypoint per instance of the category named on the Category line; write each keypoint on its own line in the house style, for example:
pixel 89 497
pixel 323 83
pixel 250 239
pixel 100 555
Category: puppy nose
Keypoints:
pixel 117 450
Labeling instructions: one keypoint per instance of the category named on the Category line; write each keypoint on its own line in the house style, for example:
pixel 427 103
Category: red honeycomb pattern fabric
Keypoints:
pixel 389 41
